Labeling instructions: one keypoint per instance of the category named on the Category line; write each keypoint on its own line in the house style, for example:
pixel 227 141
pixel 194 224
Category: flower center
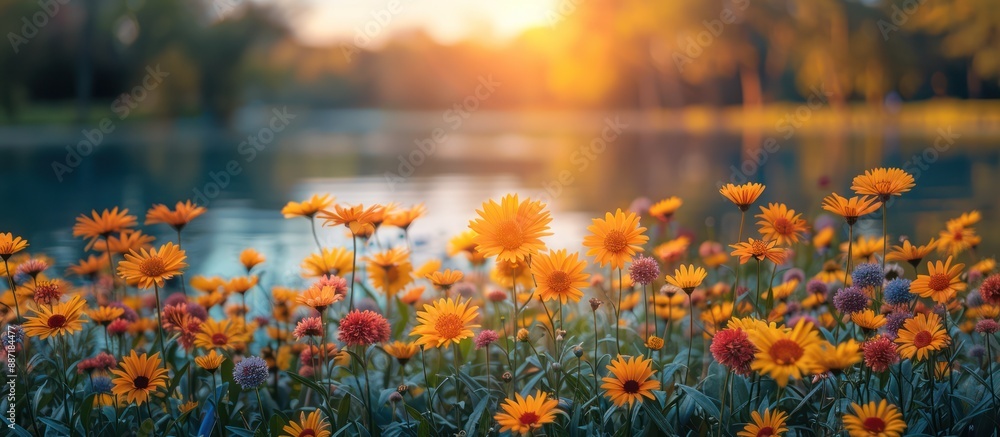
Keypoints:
pixel 939 282
pixel 782 226
pixel 758 249
pixel 509 235
pixel 631 386
pixel 766 431
pixel 874 424
pixel 529 418
pixel 152 267
pixel 922 339
pixel 141 382
pixel 307 432
pixel 220 339
pixel 615 241
pixel 57 321
pixel 786 352
pixel 957 235
pixel 391 274
pixel 449 326
pixel 559 281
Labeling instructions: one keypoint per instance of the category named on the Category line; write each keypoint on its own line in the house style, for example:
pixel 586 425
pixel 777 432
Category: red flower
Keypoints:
pixel 362 328
pixel 880 353
pixel 990 289
pixel 733 348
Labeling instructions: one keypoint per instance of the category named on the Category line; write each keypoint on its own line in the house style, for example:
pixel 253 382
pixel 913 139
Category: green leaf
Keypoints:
pixel 656 416
pixel 423 427
pixel 86 407
pixel 473 422
pixel 701 400
pixel 176 380
pixel 308 383
pixel 277 423
pixel 343 411
pixel 146 429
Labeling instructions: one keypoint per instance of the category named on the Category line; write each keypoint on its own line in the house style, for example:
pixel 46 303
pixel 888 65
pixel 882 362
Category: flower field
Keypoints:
pixel 786 325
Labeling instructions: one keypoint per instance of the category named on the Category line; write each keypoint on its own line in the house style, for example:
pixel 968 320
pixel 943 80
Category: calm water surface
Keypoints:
pixel 582 165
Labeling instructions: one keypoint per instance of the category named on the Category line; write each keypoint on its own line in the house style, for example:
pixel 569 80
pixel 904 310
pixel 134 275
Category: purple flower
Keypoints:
pixel 250 373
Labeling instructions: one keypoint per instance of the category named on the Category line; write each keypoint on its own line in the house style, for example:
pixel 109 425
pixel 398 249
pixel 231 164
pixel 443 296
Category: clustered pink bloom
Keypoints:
pixel 362 328
pixel 485 338
pixel 308 327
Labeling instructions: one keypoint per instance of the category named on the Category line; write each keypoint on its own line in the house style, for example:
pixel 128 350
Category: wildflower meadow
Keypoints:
pixel 787 325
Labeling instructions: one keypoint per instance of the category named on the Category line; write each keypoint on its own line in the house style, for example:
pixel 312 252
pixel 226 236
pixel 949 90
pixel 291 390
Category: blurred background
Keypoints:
pixel 244 105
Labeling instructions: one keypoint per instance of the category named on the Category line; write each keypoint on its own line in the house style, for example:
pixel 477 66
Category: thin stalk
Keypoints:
pixel 989 369
pixel 458 390
pixel 215 399
pixel 13 289
pixel 618 325
pixel 312 224
pixel 263 418
pixel 354 270
pixel 430 390
pixel 687 368
pixel 181 276
pixel 159 325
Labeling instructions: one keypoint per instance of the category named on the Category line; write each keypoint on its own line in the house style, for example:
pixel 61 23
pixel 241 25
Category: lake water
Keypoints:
pixel 582 164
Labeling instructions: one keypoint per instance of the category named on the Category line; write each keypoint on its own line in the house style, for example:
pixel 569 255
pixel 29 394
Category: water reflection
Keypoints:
pixel 362 161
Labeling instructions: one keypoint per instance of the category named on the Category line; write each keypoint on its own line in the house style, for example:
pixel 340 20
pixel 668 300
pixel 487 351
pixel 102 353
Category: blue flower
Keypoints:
pixel 867 275
pixel 897 292
pixel 101 384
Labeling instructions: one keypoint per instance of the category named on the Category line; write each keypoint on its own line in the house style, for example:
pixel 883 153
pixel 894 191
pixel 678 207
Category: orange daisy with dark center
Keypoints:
pixel 922 339
pixel 786 351
pixel 782 226
pixel 631 386
pixel 57 321
pixel 529 418
pixel 874 424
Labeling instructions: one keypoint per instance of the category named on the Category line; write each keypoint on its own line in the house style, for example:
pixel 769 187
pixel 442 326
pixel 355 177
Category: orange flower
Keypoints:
pixel 403 218
pixel 759 250
pixel 9 245
pixel 511 230
pixel 742 195
pixel 308 208
pixel 251 258
pixel 941 282
pixel 883 183
pixel 780 223
pixel 356 218
pixel 445 279
pixel 182 214
pixel 615 239
pixel 102 225
pixel 125 242
pixel 560 276
pixel 153 267
pixel 850 209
